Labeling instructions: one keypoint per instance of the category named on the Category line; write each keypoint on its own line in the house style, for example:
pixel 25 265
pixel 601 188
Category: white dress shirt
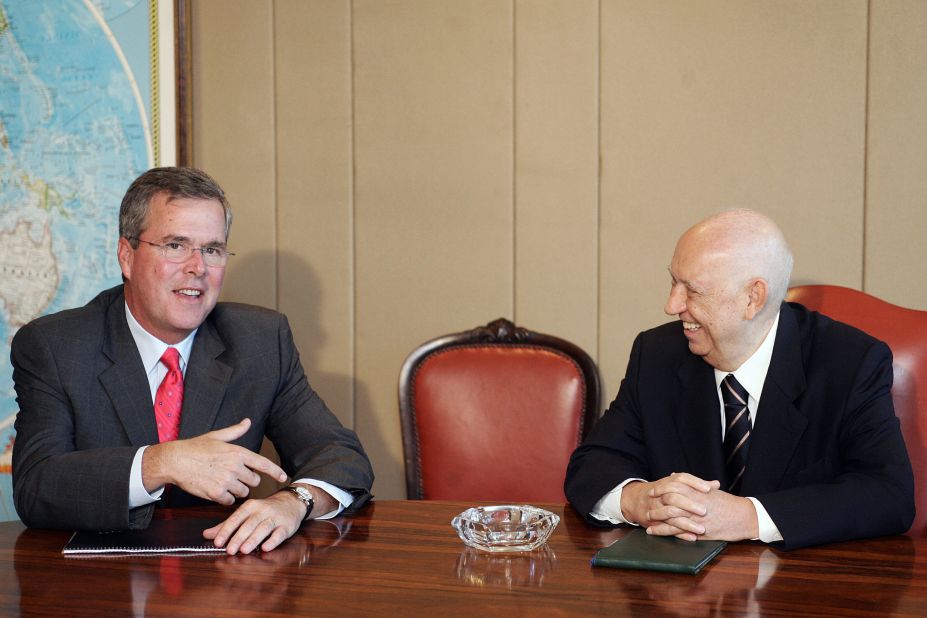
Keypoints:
pixel 150 348
pixel 751 375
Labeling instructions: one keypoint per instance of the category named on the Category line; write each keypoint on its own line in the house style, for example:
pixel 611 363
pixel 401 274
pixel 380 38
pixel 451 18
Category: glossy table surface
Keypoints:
pixel 403 558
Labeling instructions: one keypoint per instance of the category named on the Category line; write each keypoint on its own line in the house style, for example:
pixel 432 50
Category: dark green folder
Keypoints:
pixel 639 550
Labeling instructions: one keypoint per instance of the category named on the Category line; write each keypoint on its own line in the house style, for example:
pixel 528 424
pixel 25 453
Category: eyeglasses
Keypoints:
pixel 179 252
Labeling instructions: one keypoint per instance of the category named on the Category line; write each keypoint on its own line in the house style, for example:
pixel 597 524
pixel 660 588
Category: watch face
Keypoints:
pixel 306 496
pixel 303 494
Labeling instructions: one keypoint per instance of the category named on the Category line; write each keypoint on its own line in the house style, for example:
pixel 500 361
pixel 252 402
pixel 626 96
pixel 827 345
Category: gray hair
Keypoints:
pixel 177 182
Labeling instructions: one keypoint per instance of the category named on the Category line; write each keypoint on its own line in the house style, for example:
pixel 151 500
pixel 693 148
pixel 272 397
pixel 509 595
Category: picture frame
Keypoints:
pixel 183 66
pixel 171 80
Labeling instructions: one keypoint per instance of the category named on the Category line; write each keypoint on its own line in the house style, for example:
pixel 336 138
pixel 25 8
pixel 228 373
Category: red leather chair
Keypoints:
pixel 493 414
pixel 905 332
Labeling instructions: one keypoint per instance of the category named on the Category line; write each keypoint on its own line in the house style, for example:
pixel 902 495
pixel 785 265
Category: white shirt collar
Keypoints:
pixel 150 348
pixel 752 373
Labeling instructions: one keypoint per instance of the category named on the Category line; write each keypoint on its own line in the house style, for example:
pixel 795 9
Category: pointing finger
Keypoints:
pixel 261 464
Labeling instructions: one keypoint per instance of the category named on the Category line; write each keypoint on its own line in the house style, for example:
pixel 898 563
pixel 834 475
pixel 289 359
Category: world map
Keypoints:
pixel 75 82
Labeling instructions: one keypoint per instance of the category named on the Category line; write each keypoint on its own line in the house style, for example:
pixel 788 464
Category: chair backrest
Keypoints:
pixel 905 332
pixel 494 413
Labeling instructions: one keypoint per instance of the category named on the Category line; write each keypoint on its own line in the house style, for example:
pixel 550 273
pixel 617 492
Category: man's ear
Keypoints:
pixel 757 294
pixel 125 253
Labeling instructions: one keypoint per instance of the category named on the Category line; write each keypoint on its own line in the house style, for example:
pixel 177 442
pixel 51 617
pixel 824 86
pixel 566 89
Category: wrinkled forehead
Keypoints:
pixel 186 216
pixel 699 246
pixel 703 264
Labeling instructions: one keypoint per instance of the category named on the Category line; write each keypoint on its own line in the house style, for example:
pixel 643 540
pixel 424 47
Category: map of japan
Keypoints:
pixel 75 92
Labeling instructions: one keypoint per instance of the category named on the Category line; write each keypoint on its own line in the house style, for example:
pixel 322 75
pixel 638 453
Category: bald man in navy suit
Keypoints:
pixel 825 458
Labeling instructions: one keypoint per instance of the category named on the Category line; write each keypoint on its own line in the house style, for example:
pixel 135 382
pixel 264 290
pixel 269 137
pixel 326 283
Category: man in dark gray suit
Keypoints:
pixel 92 453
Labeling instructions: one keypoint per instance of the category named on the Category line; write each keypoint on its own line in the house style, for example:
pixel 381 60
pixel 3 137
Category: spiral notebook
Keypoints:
pixel 183 535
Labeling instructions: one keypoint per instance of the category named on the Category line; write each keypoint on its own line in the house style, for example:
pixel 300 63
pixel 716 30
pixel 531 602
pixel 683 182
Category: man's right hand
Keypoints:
pixel 676 499
pixel 208 466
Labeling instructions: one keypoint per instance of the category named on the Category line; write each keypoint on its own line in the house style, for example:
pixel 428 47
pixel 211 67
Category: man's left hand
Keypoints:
pixel 265 522
pixel 727 518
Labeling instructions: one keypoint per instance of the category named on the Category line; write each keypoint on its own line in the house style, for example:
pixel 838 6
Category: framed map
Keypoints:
pixel 92 93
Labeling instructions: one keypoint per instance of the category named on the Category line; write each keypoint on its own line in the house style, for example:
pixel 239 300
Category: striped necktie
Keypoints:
pixel 736 432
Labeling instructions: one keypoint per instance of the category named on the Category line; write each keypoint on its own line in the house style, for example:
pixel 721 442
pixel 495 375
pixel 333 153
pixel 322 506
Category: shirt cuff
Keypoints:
pixel 138 495
pixel 608 508
pixel 769 532
pixel 343 498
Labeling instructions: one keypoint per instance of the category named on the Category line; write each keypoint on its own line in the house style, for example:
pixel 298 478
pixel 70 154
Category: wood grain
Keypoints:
pixel 403 558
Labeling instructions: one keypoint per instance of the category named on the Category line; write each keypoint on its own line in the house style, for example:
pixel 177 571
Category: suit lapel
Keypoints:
pixel 779 423
pixel 699 419
pixel 124 380
pixel 205 383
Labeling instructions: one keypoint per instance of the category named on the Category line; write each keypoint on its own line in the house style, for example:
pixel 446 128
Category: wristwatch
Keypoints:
pixel 304 496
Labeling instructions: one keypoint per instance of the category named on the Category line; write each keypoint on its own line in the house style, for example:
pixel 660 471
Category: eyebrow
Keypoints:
pixel 189 241
pixel 689 284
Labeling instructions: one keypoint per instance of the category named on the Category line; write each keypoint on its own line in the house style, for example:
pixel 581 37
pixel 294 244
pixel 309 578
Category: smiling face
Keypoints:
pixel 716 301
pixel 169 299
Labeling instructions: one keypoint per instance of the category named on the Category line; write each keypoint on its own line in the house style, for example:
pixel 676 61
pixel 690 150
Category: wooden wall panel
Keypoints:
pixel 711 105
pixel 433 191
pixel 401 169
pixel 233 134
pixel 314 191
pixel 233 141
pixel 896 219
pixel 556 168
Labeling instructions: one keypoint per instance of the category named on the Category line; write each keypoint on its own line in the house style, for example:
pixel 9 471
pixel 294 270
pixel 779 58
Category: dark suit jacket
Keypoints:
pixel 85 408
pixel 826 460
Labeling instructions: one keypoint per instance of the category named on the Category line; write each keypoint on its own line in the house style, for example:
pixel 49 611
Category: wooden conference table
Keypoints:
pixel 403 558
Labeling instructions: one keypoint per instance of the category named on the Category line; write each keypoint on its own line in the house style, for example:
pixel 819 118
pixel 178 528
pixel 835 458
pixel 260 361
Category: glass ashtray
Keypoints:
pixel 505 528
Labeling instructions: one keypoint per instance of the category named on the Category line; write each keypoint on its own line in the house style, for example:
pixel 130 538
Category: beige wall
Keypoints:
pixel 401 169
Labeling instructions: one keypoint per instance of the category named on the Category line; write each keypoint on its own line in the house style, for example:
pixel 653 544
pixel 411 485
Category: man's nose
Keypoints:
pixel 196 263
pixel 676 303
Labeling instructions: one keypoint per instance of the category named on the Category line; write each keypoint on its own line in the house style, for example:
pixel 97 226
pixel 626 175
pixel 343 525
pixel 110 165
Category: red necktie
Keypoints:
pixel 169 398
